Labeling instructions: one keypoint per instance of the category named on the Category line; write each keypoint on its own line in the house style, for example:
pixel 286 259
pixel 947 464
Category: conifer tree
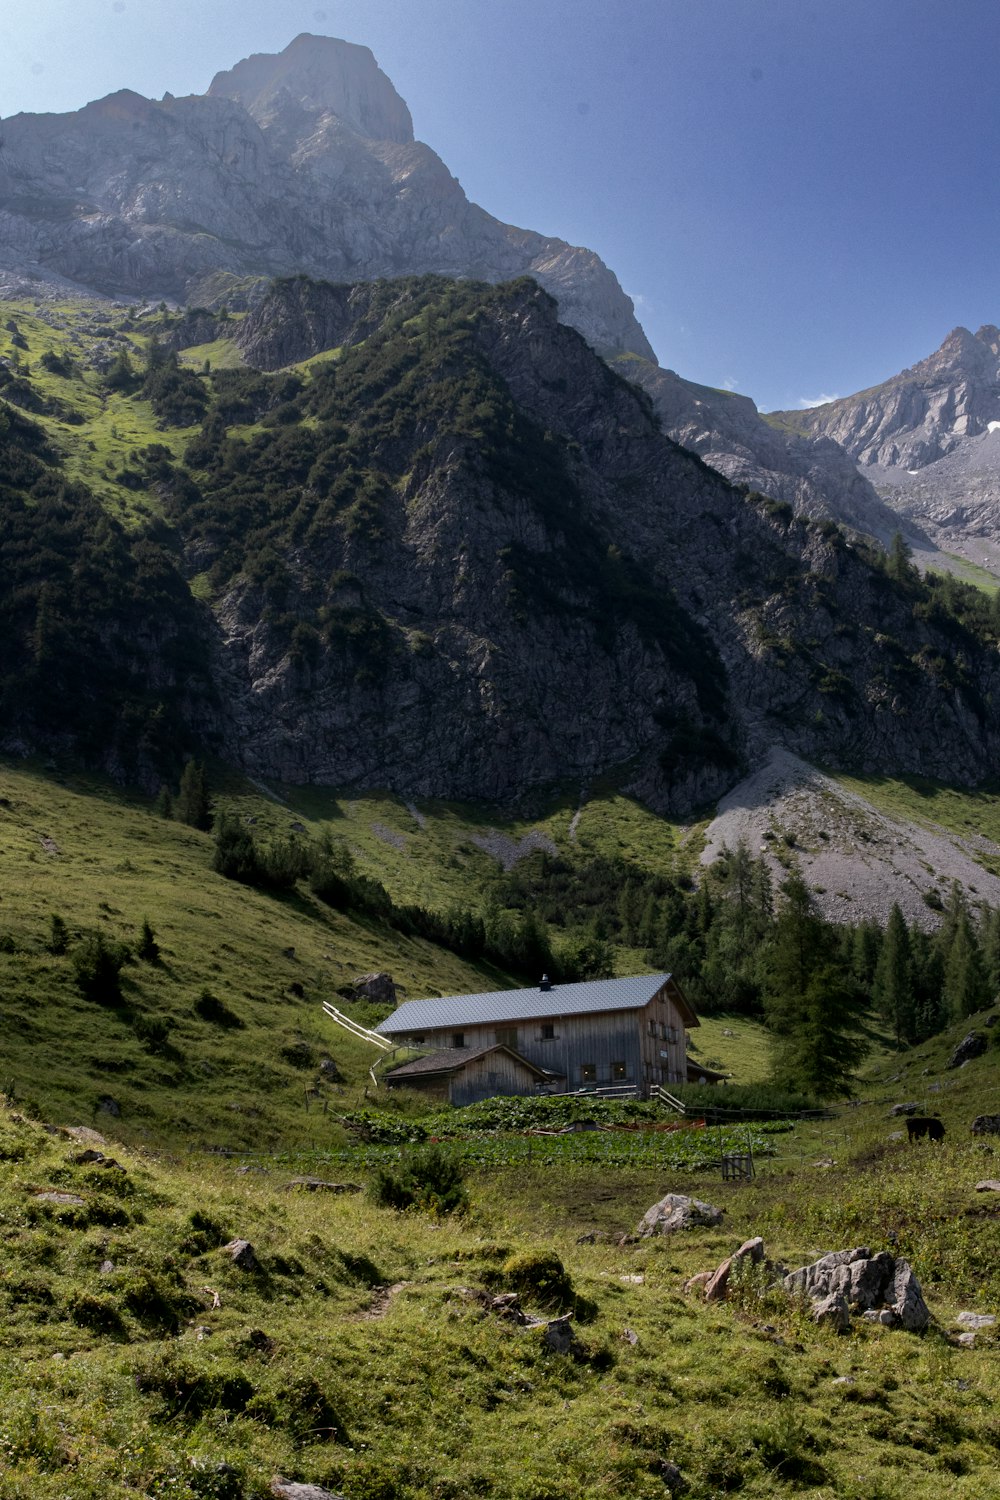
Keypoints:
pixel 892 988
pixel 965 987
pixel 192 804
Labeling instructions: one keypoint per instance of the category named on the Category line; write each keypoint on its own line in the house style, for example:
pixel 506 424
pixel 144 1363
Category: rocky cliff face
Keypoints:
pixel 300 162
pixel 813 474
pixel 514 578
pixel 927 440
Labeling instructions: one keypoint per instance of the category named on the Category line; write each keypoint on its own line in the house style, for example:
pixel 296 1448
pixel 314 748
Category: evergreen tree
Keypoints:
pixel 192 804
pixel 892 988
pixel 966 988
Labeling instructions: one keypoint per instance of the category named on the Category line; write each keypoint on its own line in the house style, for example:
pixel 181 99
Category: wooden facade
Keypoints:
pixel 463 1075
pixel 578 1048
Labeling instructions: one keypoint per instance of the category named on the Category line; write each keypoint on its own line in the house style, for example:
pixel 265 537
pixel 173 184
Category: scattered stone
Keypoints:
pixel 673 1479
pixel 379 988
pixel 251 1167
pixel 209 1291
pixel 908 1303
pixel 842 1380
pixel 991 1185
pixel 67 1199
pixel 883 1315
pixel 976 1320
pixel 242 1254
pixel 202 1332
pixel 317 1185
pixel 298 827
pixel 991 1020
pixel 559 1336
pixel 108 1106
pixel 107 1268
pixel 717 1284
pixel 97 1159
pixel 84 1133
pixel 966 1340
pixel 676 1211
pixel 286 1489
pixel 702 1279
pixel 629 1337
pixel 974 1045
pixel 986 1125
pixel 903 1109
pixel 329 1071
pixel 633 1280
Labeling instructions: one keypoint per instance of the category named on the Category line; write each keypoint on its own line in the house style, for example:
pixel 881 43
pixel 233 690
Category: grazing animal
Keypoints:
pixel 920 1125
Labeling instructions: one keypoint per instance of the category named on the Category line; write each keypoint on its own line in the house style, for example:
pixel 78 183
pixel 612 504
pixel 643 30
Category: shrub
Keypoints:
pixel 97 1313
pixel 209 1008
pixel 428 1179
pixel 148 948
pixel 98 963
pixel 58 934
pixel 541 1276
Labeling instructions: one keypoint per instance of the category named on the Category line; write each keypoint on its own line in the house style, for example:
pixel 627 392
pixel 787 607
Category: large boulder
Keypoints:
pixel 380 988
pixel 676 1211
pixel 986 1125
pixel 974 1045
pixel 857 1281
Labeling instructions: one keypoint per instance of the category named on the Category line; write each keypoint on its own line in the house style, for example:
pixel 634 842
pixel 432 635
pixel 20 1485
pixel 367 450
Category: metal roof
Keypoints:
pixel 452 1059
pixel 589 997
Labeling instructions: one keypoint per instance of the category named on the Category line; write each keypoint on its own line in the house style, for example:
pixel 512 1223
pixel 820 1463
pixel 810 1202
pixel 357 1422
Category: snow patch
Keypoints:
pixel 993 427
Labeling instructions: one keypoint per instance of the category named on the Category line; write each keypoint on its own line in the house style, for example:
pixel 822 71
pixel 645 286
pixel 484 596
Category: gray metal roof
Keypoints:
pixel 451 1059
pixel 591 996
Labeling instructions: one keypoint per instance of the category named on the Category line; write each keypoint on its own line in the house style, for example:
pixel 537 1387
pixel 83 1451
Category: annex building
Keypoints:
pixel 602 1033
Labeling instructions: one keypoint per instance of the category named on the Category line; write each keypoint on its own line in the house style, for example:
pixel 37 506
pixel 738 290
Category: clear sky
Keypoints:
pixel 801 195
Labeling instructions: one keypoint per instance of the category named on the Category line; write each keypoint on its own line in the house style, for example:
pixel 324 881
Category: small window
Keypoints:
pixel 618 1072
pixel 652 1028
pixel 588 1073
pixel 548 1031
pixel 458 1039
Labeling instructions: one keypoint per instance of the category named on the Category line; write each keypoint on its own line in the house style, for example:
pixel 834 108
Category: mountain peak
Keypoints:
pixel 320 74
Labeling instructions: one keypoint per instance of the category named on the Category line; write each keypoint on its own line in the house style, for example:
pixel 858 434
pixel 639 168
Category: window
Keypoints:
pixel 588 1073
pixel 618 1072
pixel 458 1039
pixel 652 1028
pixel 548 1031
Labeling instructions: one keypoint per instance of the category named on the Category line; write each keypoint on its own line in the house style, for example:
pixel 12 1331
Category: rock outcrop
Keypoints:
pixel 300 162
pixel 856 1281
pixel 677 1211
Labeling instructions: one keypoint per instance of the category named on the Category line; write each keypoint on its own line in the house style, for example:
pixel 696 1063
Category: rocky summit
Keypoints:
pixel 300 162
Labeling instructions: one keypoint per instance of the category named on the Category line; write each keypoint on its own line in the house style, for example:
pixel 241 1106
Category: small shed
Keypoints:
pixel 464 1075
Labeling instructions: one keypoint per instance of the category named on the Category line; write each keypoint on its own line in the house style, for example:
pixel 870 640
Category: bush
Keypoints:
pixel 209 1008
pixel 98 963
pixel 97 1313
pixel 541 1276
pixel 428 1179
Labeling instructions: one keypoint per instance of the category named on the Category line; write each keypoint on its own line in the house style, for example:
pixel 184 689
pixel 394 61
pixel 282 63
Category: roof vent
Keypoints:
pixel 546 983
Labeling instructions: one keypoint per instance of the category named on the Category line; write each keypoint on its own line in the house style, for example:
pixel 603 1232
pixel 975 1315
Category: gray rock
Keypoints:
pixel 883 1315
pixel 559 1335
pixel 989 1185
pixel 673 1478
pixel 287 1489
pixel 976 1320
pixel 907 1299
pixel 380 988
pixel 108 1106
pixel 318 1185
pixel 832 1310
pixel 986 1125
pixel 966 1340
pixel 903 1109
pixel 676 1211
pixel 242 1254
pixel 974 1045
pixel 71 1200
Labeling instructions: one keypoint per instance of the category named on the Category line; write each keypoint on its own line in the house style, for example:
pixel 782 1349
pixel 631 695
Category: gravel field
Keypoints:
pixel 856 860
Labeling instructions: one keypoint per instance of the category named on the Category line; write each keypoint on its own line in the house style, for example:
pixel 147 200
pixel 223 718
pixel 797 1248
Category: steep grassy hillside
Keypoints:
pixel 361 1352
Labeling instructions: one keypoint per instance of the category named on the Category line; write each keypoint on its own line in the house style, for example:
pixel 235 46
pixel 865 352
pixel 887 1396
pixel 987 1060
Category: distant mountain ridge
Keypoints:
pixel 929 441
pixel 300 162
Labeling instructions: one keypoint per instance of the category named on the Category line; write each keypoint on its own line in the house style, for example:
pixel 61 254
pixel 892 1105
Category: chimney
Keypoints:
pixel 546 983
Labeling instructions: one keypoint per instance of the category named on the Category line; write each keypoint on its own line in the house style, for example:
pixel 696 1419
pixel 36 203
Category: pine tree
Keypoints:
pixel 892 988
pixel 966 987
pixel 192 804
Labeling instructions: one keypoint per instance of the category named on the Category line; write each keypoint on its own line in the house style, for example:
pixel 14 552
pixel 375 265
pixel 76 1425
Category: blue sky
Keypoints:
pixel 801 195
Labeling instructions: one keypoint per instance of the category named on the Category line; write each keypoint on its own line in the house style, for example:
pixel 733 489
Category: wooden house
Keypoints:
pixel 627 1033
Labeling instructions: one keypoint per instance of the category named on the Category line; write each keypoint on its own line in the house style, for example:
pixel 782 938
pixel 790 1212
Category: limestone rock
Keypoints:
pixel 676 1211
pixel 903 1109
pixel 67 1200
pixel 989 1185
pixel 976 1320
pixel 864 1283
pixel 907 1300
pixel 242 1254
pixel 287 1489
pixel 832 1310
pixel 974 1045
pixel 986 1125
pixel 379 988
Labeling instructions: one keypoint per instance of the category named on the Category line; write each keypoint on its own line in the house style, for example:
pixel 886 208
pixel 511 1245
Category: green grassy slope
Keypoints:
pixel 139 1360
